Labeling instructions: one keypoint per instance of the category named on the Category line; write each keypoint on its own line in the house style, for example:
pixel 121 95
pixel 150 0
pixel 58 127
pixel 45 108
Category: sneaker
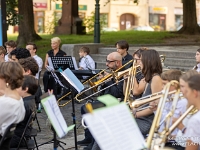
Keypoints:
pixel 84 142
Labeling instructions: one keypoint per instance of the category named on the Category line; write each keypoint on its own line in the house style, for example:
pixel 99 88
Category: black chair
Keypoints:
pixel 8 134
pixel 30 144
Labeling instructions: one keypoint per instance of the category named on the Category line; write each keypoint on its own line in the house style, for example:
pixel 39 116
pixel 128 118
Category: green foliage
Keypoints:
pixel 50 25
pixel 90 20
pixel 11 12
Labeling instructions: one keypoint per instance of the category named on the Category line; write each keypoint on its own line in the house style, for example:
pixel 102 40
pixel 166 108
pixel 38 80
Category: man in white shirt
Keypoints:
pixel 10 46
pixel 33 49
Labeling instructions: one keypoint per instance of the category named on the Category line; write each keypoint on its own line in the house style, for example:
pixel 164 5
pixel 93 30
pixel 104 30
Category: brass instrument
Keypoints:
pixel 156 122
pixel 87 81
pixel 101 81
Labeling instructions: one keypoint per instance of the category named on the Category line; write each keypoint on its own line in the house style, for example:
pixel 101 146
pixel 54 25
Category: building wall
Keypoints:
pixel 160 14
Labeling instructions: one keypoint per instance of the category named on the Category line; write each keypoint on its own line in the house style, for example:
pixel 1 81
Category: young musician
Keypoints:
pixel 182 125
pixel 10 46
pixel 86 62
pixel 11 103
pixel 139 83
pixel 151 68
pixel 27 92
pixel 197 56
pixel 19 53
pixel 122 48
pixel 192 132
pixel 2 54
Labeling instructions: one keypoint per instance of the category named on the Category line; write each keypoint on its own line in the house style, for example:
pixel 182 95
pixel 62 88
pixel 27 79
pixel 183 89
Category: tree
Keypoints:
pixel 24 17
pixel 26 23
pixel 190 25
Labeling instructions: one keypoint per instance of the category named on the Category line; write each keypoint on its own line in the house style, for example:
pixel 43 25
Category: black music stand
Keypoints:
pixel 74 84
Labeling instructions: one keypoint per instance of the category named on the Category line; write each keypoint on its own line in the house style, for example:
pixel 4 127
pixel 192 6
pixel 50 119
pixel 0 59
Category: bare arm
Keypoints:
pixel 139 88
pixel 46 60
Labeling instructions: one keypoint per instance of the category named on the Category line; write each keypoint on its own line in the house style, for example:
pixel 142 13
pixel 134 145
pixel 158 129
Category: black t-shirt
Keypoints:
pixel 60 53
pixel 126 59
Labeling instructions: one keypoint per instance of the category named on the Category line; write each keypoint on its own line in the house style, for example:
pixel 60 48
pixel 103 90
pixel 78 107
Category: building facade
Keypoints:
pixel 120 14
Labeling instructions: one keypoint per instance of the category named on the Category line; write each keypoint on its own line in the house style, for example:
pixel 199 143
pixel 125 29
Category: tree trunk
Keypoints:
pixel 190 25
pixel 26 23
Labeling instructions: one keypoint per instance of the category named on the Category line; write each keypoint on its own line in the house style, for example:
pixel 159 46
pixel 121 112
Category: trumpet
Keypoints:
pixel 87 81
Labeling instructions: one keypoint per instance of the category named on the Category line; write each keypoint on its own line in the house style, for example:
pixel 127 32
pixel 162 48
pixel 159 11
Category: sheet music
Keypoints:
pixel 55 116
pixel 114 128
pixel 74 62
pixel 72 79
pixel 50 62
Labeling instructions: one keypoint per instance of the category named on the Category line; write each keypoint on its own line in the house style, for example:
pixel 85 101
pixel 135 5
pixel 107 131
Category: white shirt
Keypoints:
pixel 198 67
pixel 40 64
pixel 181 107
pixel 6 57
pixel 12 111
pixel 87 63
pixel 192 132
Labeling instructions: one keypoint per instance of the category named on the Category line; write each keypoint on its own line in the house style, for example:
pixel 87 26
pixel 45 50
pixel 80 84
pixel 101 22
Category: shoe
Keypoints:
pixel 63 91
pixel 84 142
pixel 89 147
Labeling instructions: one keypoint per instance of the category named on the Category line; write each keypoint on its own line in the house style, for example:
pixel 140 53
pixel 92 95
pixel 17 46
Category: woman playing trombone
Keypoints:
pixel 151 68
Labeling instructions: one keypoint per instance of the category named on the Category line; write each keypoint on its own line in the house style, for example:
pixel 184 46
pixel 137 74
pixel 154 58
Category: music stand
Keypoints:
pixel 63 62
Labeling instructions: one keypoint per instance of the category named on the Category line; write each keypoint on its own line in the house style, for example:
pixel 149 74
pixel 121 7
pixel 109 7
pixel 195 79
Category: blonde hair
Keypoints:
pixel 188 74
pixel 56 39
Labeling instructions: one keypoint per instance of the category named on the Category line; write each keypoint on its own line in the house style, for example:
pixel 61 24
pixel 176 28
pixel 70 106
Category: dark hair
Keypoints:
pixel 122 44
pixel 31 83
pixel 139 51
pixel 193 82
pixel 85 49
pixel 11 43
pixel 12 73
pixel 198 50
pixel 29 64
pixel 33 44
pixel 151 64
pixel 171 74
pixel 2 50
pixel 20 53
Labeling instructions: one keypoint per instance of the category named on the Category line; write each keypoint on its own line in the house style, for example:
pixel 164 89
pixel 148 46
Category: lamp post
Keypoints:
pixel 97 23
pixel 3 25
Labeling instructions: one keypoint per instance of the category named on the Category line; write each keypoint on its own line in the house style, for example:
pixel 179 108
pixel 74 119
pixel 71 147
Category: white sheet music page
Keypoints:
pixel 55 116
pixel 72 79
pixel 114 128
pixel 74 62
pixel 50 62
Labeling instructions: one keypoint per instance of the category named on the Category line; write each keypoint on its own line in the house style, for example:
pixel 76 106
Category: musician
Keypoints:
pixel 122 48
pixel 86 62
pixel 2 54
pixel 192 132
pixel 197 56
pixel 11 103
pixel 10 46
pixel 151 68
pixel 114 62
pixel 48 80
pixel 139 83
pixel 182 125
pixel 19 53
pixel 27 92
pixel 33 49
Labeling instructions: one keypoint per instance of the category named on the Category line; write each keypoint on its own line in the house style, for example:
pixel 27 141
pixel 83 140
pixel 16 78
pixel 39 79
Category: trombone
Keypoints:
pixel 87 81
pixel 93 85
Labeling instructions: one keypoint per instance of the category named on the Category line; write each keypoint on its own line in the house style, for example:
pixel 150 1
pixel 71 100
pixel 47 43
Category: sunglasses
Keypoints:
pixel 109 61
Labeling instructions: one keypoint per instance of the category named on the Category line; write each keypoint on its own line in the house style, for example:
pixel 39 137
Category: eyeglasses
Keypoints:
pixel 109 61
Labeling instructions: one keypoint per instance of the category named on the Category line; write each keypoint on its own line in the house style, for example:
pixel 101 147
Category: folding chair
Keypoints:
pixel 8 134
pixel 30 144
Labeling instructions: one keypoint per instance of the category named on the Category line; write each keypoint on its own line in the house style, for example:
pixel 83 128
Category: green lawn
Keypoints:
pixel 108 38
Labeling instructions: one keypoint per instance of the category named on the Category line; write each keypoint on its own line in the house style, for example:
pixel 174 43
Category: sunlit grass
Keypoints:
pixel 108 38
